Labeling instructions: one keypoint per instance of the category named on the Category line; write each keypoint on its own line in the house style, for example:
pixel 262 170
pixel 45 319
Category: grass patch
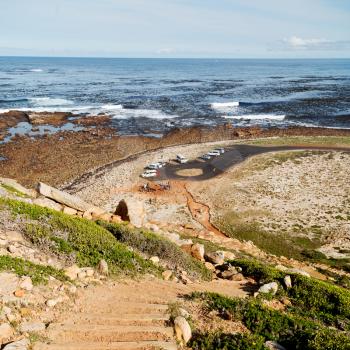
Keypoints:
pixel 38 273
pixel 287 328
pixel 153 245
pixel 86 240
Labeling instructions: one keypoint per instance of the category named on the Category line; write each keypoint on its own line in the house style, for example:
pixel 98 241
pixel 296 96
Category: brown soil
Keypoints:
pixel 31 160
pixel 127 315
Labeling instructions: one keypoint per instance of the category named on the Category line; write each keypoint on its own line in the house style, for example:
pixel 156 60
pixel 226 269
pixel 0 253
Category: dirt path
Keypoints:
pixel 128 315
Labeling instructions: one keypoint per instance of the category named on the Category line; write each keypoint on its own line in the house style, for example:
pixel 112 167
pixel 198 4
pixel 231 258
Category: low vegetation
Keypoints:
pixel 38 273
pixel 318 316
pixel 84 241
pixel 154 245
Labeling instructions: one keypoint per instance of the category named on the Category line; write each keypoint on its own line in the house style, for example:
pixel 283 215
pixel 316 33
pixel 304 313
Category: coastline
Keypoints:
pixel 32 159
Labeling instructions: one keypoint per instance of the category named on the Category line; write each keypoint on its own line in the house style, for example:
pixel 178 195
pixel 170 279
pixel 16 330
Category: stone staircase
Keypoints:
pixel 121 325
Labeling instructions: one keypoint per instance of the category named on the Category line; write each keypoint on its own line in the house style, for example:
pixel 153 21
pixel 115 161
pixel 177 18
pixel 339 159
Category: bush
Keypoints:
pixel 224 341
pixel 38 273
pixel 88 241
pixel 288 329
pixel 153 245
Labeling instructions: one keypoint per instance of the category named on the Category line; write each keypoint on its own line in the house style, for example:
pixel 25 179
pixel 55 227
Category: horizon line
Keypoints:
pixel 180 58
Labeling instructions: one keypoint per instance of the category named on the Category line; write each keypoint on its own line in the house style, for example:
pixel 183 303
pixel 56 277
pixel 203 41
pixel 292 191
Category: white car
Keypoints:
pixel 214 153
pixel 205 157
pixel 155 166
pixel 221 150
pixel 149 173
pixel 181 159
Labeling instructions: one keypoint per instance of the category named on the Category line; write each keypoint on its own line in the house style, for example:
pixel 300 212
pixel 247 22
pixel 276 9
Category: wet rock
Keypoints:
pixel 197 251
pixel 182 330
pixel 102 267
pixel 269 288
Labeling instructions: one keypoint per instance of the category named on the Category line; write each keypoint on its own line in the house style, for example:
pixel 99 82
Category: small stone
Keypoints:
pixel 287 281
pixel 182 330
pixel 216 258
pixel 22 344
pixel 237 277
pixel 12 249
pixel 227 275
pixel 167 275
pixel 286 301
pixel 51 302
pixel 272 345
pixel 89 272
pixel 229 255
pixel 102 267
pixel 6 332
pixel 26 283
pixel 25 312
pixel 6 310
pixel 19 293
pixel 299 272
pixel 32 327
pixel 269 288
pixel 154 259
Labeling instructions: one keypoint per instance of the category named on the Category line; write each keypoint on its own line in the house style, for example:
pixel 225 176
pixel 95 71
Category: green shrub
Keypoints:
pixel 153 245
pixel 38 273
pixel 289 329
pixel 224 341
pixel 89 241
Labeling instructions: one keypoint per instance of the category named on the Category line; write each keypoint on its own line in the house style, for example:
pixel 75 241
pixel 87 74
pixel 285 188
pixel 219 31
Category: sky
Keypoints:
pixel 176 28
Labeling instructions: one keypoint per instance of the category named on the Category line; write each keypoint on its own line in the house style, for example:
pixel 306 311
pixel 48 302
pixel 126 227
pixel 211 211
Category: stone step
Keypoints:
pixel 132 345
pixel 102 333
pixel 123 319
pixel 130 308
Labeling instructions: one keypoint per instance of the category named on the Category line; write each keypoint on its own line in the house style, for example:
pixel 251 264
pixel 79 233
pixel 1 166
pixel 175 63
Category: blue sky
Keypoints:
pixel 176 28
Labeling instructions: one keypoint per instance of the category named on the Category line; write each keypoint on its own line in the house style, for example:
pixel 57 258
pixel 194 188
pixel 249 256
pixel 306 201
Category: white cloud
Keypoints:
pixel 297 43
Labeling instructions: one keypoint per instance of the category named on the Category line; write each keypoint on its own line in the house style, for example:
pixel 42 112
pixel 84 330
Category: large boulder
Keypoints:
pixel 182 330
pixel 22 344
pixel 65 198
pixel 18 187
pixel 132 210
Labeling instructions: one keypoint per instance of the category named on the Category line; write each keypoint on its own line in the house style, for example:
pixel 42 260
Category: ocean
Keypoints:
pixel 156 95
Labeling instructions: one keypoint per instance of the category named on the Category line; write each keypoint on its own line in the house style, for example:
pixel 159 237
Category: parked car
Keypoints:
pixel 205 157
pixel 181 159
pixel 149 173
pixel 157 165
pixel 213 153
pixel 221 150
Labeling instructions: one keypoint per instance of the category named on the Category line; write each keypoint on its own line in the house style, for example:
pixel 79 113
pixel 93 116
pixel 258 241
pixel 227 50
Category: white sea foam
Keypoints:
pixel 111 107
pixel 36 70
pixel 125 113
pixel 256 117
pixel 48 101
pixel 224 105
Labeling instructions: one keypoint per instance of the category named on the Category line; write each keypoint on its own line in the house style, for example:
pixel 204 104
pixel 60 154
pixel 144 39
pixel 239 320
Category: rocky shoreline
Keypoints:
pixel 33 158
